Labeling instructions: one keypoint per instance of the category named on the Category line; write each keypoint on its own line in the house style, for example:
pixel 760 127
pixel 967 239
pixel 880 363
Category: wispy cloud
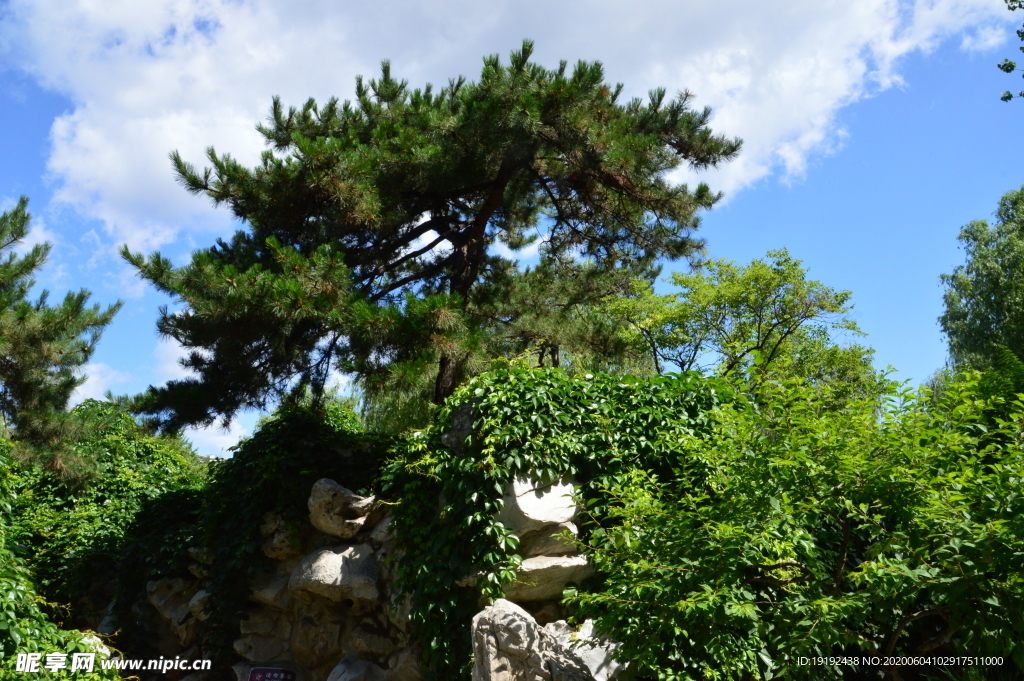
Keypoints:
pixel 147 78
pixel 101 378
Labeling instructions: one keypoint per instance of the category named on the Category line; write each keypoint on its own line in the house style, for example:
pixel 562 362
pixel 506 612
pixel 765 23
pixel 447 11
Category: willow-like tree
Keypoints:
pixel 42 347
pixel 373 229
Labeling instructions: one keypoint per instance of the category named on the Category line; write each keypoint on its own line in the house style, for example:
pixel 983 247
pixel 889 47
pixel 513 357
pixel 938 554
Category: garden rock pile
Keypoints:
pixel 329 612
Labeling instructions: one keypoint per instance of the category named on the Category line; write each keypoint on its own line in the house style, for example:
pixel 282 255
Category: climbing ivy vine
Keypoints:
pixel 272 472
pixel 540 422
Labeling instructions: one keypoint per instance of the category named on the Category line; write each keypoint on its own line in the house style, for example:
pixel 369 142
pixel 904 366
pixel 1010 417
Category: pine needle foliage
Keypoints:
pixel 42 348
pixel 372 231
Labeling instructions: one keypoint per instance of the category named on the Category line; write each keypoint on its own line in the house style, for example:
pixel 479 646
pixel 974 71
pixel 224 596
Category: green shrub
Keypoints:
pixel 799 531
pixel 272 472
pixel 24 627
pixel 72 531
pixel 538 421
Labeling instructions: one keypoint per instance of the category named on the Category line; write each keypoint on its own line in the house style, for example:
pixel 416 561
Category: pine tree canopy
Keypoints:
pixel 42 347
pixel 374 230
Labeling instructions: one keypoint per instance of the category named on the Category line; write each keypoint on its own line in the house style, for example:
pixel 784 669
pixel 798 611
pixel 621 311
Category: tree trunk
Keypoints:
pixel 465 273
pixel 447 379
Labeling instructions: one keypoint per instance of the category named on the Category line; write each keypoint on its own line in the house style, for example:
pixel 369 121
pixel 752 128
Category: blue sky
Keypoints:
pixel 872 132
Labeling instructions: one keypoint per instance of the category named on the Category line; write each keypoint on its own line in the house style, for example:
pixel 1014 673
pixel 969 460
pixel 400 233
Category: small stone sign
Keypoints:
pixel 271 674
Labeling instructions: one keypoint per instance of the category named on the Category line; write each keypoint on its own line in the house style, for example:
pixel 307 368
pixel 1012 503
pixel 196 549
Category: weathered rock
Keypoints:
pixel 543 578
pixel 272 590
pixel 382 530
pixel 340 573
pixel 352 669
pixel 368 638
pixel 399 609
pixel 547 613
pixel 553 540
pixel 529 506
pixel 283 541
pixel 167 595
pixel 462 427
pixel 186 630
pixel 336 510
pixel 171 599
pixel 316 637
pixel 404 665
pixel 241 671
pixel 259 622
pixel 198 605
pixel 108 625
pixel 509 645
pixel 202 555
pixel 198 570
pixel 595 651
pixel 259 648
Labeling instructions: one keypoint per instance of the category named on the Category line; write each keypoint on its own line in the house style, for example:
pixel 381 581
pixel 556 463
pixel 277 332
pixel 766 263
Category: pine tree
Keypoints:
pixel 42 347
pixel 372 229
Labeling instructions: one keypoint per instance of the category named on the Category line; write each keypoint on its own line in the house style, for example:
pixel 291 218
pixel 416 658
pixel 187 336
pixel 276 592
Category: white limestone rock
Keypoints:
pixel 259 648
pixel 168 595
pixel 509 645
pixel 336 510
pixel 259 622
pixel 352 669
pixel 272 590
pixel 339 573
pixel 543 578
pixel 241 671
pixel 198 605
pixel 529 506
pixel 404 665
pixel 595 651
pixel 283 541
pixel 553 540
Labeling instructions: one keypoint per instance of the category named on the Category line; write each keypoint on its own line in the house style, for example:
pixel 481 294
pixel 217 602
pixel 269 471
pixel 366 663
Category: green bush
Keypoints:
pixel 892 529
pixel 72 531
pixel 24 627
pixel 538 421
pixel 272 472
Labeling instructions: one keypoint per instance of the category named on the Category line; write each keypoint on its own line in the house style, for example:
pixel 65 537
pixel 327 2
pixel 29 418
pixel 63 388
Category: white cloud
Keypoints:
pixel 101 378
pixel 215 441
pixel 146 78
pixel 212 440
pixel 983 38
pixel 168 361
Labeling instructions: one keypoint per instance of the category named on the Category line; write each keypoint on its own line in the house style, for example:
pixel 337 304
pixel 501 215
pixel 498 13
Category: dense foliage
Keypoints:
pixel 984 318
pixel 526 421
pixel 72 532
pixel 373 230
pixel 24 626
pixel 767 318
pixel 272 472
pixel 42 348
pixel 795 530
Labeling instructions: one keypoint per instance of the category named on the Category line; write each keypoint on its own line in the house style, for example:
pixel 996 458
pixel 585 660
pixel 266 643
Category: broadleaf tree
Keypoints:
pixel 984 300
pixel 373 230
pixel 43 347
pixel 764 319
pixel 1008 65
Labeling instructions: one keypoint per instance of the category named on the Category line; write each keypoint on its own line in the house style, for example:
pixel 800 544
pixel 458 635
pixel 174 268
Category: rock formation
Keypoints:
pixel 509 645
pixel 328 611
